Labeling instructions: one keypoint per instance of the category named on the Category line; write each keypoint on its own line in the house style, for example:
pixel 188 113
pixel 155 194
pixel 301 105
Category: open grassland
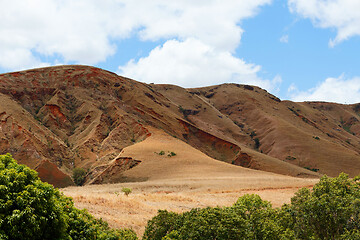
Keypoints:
pixel 190 179
pixel 108 202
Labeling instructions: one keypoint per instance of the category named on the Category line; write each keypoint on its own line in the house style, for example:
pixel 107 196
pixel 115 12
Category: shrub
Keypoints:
pixel 208 223
pixel 79 175
pixel 171 154
pixel 32 209
pixel 126 191
pixel 161 225
pixel 252 134
pixel 257 143
pixel 312 169
pixel 249 218
pixel 290 158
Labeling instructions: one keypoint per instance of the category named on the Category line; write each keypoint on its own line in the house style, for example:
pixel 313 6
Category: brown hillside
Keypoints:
pixel 80 116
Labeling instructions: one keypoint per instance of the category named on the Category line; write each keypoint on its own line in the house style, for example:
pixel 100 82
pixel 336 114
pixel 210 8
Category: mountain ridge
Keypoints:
pixel 81 116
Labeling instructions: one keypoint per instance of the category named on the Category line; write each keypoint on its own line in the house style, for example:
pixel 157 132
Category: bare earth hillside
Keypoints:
pixel 58 118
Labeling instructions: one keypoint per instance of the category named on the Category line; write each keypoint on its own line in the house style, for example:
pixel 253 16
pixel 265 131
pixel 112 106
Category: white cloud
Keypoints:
pixel 84 31
pixel 342 15
pixel 284 39
pixel 200 37
pixel 192 63
pixel 292 88
pixel 215 22
pixel 339 90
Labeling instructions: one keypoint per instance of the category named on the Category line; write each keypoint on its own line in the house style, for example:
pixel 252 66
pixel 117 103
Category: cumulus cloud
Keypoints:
pixel 199 37
pixel 342 15
pixel 192 63
pixel 339 90
pixel 84 31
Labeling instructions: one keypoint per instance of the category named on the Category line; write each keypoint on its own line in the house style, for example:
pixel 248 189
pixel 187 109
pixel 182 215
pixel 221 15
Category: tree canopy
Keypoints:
pixel 32 209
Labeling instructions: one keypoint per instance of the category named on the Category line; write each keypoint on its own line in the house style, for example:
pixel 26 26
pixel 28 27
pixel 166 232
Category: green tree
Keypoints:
pixel 249 218
pixel 162 224
pixel 29 208
pixel 32 209
pixel 264 221
pixel 331 210
pixel 126 191
pixel 79 175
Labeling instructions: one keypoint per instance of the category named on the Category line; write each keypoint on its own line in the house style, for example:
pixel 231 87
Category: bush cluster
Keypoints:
pixel 79 176
pixel 331 210
pixel 32 209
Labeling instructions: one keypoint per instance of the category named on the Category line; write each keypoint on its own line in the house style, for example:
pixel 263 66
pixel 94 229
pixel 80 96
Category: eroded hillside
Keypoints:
pixel 58 118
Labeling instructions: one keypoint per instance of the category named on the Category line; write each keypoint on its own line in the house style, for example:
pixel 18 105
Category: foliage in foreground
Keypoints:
pixel 32 209
pixel 330 211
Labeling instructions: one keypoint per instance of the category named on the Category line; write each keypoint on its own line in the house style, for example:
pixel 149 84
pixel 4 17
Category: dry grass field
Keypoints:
pixel 108 202
pixel 178 183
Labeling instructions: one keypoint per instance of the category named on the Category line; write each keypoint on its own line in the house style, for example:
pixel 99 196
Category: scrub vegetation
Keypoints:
pixel 331 210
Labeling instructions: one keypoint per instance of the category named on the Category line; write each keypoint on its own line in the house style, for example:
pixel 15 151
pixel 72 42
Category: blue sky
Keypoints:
pixel 302 50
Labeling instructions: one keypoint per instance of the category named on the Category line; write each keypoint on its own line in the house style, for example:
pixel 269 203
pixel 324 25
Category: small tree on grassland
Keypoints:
pixel 126 191
pixel 79 175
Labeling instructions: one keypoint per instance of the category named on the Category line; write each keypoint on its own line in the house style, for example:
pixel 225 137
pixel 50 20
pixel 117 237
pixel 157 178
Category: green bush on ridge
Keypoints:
pixel 32 209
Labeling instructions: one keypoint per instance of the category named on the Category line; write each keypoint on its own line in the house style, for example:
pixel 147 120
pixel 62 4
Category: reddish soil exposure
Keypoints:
pixel 50 173
pixel 81 116
pixel 56 112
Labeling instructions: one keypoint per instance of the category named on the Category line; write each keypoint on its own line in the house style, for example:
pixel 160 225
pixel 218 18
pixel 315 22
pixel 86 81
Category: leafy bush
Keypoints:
pixel 32 209
pixel 330 210
pixel 208 223
pixel 312 169
pixel 249 218
pixel 171 154
pixel 79 175
pixel 126 191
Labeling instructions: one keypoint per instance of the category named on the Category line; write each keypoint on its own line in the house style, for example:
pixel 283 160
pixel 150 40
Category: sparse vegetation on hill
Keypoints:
pixel 81 116
pixel 32 209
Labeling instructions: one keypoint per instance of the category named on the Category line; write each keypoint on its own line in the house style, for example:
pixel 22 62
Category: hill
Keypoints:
pixel 58 118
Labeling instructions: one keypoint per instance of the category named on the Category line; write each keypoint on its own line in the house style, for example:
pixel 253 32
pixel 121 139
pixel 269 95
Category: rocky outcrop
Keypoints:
pixel 112 172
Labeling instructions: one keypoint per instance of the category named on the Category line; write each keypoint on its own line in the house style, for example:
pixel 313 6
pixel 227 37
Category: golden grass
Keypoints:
pixel 178 195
